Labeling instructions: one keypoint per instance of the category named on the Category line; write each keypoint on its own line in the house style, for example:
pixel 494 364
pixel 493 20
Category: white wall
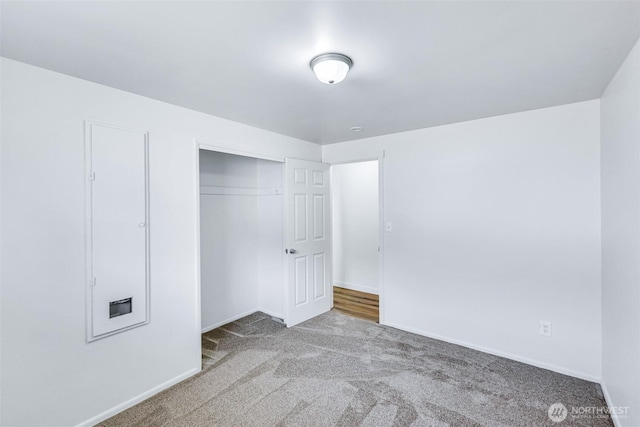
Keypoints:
pixel 620 120
pixel 227 170
pixel 1 138
pixel 496 226
pixel 354 207
pixel 50 375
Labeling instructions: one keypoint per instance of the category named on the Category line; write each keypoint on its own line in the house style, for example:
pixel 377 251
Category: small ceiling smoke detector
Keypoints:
pixel 357 128
pixel 331 68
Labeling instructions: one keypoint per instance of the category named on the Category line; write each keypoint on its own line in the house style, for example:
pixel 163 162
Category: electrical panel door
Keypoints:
pixel 117 229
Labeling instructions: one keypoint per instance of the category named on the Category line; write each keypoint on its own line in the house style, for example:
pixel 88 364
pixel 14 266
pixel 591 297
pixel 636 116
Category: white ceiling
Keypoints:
pixel 416 64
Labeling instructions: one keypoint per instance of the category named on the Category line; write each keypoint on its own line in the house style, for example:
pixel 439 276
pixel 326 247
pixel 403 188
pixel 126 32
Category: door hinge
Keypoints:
pixel 92 176
pixel 93 282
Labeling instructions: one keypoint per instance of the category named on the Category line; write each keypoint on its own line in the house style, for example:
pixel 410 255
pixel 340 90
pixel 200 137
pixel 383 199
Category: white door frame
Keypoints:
pixel 380 159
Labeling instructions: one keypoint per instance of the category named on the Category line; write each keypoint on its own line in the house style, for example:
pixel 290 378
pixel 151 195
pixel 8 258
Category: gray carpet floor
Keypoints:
pixel 336 370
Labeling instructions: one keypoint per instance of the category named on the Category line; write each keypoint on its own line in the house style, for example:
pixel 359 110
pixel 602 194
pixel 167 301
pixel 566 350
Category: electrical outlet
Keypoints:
pixel 545 328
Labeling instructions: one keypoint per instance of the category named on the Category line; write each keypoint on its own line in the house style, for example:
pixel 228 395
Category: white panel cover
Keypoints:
pixel 118 228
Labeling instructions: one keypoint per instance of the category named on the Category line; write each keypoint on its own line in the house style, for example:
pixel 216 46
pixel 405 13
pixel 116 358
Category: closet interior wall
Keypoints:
pixel 241 237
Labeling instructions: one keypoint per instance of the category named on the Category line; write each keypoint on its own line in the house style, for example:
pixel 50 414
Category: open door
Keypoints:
pixel 308 240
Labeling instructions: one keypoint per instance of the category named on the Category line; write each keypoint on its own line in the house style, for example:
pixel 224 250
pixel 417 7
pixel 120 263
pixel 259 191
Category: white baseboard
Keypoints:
pixel 354 287
pixel 607 398
pixel 272 313
pixel 229 320
pixel 139 398
pixel 543 365
pixel 240 316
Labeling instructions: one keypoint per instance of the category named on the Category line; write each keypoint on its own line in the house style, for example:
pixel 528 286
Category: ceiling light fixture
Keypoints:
pixel 331 68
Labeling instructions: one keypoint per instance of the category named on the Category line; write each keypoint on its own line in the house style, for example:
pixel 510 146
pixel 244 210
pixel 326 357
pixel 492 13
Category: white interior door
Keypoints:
pixel 308 240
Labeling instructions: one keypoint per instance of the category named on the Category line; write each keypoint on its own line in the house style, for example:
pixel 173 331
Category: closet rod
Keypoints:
pixel 206 190
pixel 237 194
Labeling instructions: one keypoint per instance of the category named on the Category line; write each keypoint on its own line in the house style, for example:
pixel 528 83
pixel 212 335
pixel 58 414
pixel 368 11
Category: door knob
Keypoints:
pixel 292 251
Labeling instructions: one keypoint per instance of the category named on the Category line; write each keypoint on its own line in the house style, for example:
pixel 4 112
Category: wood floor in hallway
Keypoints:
pixel 358 304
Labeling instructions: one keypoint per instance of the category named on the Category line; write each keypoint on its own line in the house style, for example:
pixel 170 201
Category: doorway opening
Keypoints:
pixel 264 238
pixel 241 244
pixel 241 237
pixel 355 201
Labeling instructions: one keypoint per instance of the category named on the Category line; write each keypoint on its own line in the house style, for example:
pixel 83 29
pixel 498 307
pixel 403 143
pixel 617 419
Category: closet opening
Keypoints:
pixel 241 240
pixel 355 212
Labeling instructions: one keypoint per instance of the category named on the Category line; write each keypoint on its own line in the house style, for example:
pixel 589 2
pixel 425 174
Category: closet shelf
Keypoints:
pixel 208 190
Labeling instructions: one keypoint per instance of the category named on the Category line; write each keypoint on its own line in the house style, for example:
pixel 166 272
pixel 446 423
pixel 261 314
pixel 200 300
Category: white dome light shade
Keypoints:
pixel 331 68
